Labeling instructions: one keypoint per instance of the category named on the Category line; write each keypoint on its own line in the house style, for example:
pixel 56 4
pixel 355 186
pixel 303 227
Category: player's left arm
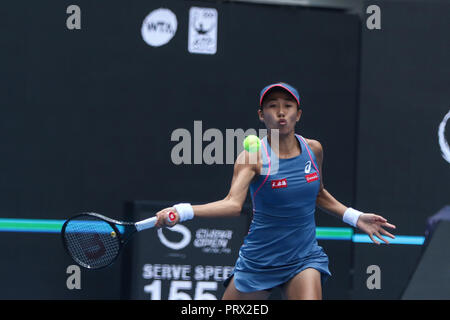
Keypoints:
pixel 370 223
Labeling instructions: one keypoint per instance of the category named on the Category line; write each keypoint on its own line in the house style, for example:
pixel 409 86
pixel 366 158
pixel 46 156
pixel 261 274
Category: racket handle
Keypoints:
pixel 150 222
pixel 145 224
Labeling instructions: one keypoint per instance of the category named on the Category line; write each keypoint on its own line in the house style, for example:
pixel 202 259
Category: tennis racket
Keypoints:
pixel 95 241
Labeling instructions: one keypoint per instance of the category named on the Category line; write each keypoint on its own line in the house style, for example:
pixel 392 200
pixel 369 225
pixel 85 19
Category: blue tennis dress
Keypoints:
pixel 282 238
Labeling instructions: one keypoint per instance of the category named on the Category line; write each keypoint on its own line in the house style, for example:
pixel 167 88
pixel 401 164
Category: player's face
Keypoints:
pixel 279 111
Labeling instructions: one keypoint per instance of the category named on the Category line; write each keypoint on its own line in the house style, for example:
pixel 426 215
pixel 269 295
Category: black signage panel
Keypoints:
pixel 188 261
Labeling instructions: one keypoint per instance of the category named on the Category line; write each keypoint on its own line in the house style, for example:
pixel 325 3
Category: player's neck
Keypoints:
pixel 288 146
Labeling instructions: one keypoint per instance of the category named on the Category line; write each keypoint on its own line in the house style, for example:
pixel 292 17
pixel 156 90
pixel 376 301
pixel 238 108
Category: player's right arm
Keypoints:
pixel 245 169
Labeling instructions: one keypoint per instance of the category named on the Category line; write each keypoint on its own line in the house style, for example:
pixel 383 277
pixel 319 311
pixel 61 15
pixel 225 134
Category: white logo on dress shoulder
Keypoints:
pixel 308 167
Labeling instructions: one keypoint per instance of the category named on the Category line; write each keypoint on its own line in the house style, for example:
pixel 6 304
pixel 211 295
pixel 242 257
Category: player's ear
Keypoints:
pixel 299 114
pixel 261 114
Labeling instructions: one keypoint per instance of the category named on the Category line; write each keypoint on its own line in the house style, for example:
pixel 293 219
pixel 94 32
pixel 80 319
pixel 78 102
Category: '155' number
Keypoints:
pixel 175 293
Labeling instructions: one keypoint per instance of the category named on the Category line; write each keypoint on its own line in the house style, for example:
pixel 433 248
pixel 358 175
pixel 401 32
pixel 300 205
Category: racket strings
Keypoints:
pixel 91 241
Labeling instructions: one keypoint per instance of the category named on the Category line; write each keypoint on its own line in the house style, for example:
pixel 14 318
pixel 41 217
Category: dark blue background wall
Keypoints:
pixel 87 117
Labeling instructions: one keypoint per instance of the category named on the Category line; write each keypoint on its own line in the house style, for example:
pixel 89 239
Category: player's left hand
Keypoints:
pixel 373 225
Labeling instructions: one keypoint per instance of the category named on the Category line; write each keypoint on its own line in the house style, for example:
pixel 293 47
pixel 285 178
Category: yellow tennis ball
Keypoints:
pixel 252 143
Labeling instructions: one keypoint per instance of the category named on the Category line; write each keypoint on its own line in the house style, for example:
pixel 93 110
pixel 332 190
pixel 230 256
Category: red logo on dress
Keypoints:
pixel 276 184
pixel 311 177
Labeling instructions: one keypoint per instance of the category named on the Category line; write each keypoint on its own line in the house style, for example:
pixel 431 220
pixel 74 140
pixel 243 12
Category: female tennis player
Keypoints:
pixel 281 247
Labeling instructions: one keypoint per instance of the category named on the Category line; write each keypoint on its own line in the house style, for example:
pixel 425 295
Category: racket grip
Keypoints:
pixel 145 224
pixel 150 222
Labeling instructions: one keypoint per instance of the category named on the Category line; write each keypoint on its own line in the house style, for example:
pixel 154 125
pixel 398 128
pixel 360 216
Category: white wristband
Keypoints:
pixel 351 216
pixel 185 211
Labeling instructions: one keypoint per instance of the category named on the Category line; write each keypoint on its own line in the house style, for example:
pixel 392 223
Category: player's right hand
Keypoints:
pixel 167 217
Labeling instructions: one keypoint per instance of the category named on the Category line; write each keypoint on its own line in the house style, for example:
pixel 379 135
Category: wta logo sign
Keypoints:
pixel 445 149
pixel 159 27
